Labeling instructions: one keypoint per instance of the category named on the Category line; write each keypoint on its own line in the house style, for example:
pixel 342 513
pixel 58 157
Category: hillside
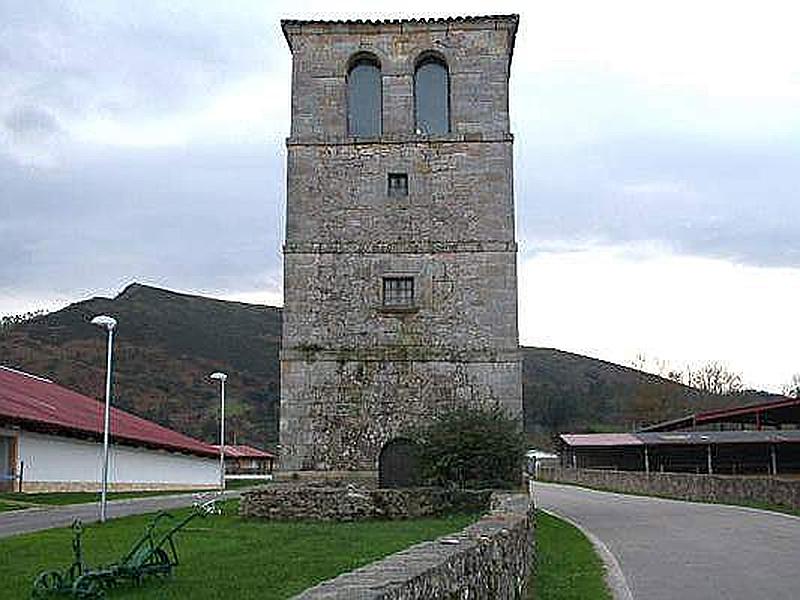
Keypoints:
pixel 168 343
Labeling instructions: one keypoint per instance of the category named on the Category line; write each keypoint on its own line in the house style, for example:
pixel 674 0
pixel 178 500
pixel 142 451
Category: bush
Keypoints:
pixel 472 448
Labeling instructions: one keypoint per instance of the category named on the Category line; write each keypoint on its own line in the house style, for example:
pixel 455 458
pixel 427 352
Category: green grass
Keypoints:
pixel 567 567
pixel 16 500
pixel 237 484
pixel 62 498
pixel 224 556
pixel 765 506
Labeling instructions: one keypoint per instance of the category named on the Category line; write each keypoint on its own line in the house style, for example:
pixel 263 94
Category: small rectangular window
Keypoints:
pixel 398 292
pixel 398 184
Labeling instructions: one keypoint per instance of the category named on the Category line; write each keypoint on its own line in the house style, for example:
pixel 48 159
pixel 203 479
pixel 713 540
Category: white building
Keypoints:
pixel 51 440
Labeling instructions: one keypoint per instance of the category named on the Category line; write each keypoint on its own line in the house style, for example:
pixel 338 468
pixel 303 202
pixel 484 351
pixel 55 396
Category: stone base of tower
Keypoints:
pixel 338 413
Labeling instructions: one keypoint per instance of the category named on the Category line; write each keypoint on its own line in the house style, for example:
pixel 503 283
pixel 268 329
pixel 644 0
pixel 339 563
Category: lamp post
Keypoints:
pixel 221 377
pixel 108 323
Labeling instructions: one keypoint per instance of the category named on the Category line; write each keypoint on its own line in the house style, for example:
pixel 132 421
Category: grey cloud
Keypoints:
pixel 209 218
pixel 738 202
pixel 30 122
pixel 199 218
pixel 124 59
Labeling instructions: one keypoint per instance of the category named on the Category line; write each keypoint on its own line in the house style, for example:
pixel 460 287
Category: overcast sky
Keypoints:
pixel 657 160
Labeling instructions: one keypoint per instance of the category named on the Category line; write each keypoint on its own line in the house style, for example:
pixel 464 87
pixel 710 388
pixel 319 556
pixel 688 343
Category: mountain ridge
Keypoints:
pixel 168 342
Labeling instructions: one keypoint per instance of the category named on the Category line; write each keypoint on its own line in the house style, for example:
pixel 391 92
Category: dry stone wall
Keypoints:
pixel 489 560
pixel 684 486
pixel 351 503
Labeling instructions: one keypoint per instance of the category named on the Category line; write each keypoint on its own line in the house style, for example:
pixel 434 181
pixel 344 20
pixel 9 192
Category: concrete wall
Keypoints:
pixel 700 488
pixel 61 463
pixel 355 374
pixel 489 560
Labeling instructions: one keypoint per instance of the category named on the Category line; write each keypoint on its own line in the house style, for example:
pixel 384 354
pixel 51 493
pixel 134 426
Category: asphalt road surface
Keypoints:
pixel 672 550
pixel 35 519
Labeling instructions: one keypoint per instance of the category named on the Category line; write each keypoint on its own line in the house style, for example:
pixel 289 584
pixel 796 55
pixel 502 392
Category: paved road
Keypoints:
pixel 36 519
pixel 671 550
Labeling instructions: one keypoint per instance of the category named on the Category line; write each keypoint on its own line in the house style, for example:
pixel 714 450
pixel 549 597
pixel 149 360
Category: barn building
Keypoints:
pixel 51 440
pixel 757 439
pixel 243 462
pixel 400 283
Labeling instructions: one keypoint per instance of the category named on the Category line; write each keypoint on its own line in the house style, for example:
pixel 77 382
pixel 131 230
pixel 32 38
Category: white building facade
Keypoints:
pixel 50 440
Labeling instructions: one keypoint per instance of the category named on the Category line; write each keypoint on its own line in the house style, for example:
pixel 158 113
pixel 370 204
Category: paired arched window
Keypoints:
pixel 364 97
pixel 432 95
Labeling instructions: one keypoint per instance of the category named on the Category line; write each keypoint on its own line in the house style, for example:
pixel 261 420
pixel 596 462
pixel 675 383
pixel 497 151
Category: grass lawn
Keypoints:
pixel 567 567
pixel 16 500
pixel 224 556
pixel 238 484
pixel 6 506
pixel 61 498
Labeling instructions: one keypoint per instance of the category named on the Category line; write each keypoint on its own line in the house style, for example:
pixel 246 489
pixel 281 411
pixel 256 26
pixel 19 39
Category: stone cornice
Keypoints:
pixel 401 139
pixel 310 353
pixel 294 27
pixel 399 247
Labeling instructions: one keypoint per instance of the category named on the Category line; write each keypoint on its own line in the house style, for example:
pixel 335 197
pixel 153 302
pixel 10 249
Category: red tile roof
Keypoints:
pixel 39 404
pixel 244 451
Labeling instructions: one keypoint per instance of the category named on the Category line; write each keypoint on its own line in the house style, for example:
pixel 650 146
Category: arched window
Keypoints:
pixel 432 95
pixel 364 97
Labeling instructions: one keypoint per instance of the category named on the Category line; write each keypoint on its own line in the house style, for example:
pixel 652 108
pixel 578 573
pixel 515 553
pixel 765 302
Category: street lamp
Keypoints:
pixel 221 377
pixel 108 323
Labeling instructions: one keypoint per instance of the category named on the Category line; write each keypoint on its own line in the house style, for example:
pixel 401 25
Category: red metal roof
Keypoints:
pixel 682 438
pixel 784 411
pixel 600 439
pixel 38 403
pixel 244 451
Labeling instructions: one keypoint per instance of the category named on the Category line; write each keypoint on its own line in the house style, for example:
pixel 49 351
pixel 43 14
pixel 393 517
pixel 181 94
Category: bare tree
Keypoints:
pixel 650 364
pixel 713 378
pixel 8 322
pixel 792 389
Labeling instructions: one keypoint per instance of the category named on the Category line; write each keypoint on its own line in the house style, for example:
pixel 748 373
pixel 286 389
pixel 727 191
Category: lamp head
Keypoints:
pixel 217 375
pixel 105 321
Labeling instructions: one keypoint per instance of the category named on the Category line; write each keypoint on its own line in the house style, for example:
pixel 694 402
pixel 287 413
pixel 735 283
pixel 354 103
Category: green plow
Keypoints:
pixel 153 555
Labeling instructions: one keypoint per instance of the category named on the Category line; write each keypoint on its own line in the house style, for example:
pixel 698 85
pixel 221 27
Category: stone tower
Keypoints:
pixel 400 258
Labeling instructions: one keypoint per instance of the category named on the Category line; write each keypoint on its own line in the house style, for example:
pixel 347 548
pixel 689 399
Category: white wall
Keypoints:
pixel 50 458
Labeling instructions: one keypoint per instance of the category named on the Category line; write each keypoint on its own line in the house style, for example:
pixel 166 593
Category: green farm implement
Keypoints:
pixel 153 555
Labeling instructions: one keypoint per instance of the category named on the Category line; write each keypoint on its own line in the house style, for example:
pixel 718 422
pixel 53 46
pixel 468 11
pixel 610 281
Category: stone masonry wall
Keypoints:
pixel 339 413
pixel 353 503
pixel 457 191
pixel 477 55
pixel 489 560
pixel 684 486
pixel 354 373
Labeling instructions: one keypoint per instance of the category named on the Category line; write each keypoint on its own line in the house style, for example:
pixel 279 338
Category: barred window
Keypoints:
pixel 398 292
pixel 398 184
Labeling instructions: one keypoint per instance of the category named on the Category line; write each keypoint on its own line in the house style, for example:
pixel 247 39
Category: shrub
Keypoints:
pixel 472 447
